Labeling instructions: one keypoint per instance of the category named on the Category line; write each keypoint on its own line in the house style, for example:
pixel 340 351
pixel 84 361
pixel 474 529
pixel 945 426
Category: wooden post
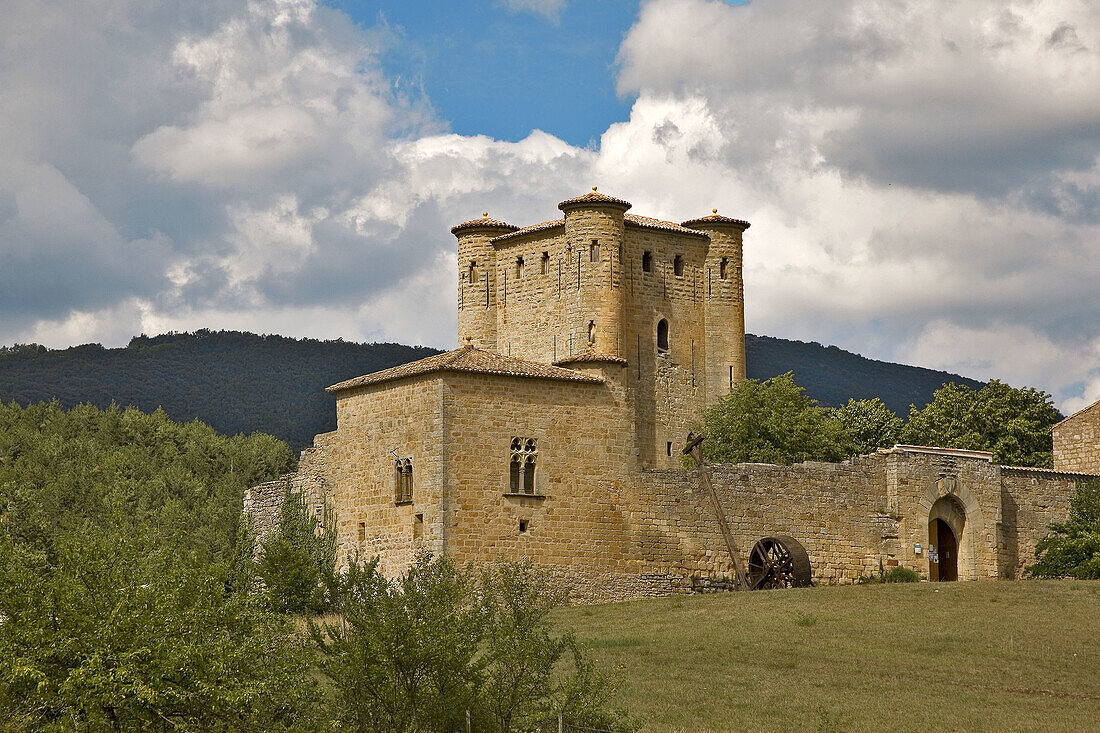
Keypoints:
pixel 561 727
pixel 467 721
pixel 692 449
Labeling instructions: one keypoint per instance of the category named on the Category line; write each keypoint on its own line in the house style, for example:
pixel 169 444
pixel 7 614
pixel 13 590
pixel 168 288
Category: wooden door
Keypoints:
pixel 949 552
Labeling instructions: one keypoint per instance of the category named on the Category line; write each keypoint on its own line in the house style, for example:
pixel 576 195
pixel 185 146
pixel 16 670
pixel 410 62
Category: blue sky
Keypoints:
pixel 490 70
pixel 923 179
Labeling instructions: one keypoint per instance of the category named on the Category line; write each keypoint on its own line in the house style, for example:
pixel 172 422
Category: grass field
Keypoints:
pixel 979 656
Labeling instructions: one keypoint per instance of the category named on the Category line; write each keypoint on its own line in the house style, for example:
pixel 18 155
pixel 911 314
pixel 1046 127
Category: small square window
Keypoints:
pixel 647 262
pixel 522 526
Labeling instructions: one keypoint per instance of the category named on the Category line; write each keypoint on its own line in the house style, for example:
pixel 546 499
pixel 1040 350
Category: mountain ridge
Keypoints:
pixel 240 382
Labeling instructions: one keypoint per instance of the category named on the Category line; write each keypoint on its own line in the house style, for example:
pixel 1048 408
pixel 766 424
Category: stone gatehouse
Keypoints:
pixel 592 343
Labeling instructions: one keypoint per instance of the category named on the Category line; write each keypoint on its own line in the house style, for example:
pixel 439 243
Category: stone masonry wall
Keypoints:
pixel 1033 498
pixel 1077 441
pixel 263 503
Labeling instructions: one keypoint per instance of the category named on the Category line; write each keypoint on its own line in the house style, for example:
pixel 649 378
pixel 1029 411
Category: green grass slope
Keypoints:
pixel 980 656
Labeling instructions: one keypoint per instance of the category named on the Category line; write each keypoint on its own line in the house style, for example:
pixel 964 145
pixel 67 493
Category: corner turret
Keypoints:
pixel 477 308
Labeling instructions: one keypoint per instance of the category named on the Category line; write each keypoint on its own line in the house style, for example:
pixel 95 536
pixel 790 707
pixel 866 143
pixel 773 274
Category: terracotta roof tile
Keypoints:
pixel 1032 469
pixel 717 218
pixel 594 197
pixel 483 223
pixel 668 226
pixel 528 230
pixel 468 359
pixel 590 358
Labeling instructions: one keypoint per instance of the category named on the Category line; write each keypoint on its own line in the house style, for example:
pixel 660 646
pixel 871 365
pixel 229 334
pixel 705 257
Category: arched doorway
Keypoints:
pixel 945 533
pixel 943 563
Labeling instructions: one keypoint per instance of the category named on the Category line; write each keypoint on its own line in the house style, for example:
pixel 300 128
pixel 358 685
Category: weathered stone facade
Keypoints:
pixel 554 434
pixel 1077 441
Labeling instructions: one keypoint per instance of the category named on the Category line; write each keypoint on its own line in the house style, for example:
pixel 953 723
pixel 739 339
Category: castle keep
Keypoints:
pixel 590 344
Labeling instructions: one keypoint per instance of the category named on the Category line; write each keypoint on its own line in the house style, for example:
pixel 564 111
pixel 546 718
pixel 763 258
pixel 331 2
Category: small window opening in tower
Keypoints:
pixel 362 532
pixel 591 332
pixel 418 527
pixel 647 262
pixel 668 448
pixel 723 268
pixel 678 266
pixel 519 267
pixel 545 263
pixel 594 251
pixel 472 277
pixel 662 335
pixel 523 524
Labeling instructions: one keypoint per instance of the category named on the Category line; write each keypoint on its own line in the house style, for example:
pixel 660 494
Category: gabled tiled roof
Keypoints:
pixel 717 218
pixel 528 230
pixel 594 197
pixel 483 223
pixel 468 359
pixel 651 223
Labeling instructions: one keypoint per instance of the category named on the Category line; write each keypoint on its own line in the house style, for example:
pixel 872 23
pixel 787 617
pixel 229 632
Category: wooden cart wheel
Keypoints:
pixel 779 562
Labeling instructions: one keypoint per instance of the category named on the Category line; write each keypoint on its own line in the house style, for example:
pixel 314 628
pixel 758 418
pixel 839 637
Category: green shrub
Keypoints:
pixel 298 561
pixel 1073 548
pixel 899 574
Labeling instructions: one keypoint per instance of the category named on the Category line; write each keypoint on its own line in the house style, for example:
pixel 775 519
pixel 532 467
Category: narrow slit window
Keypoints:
pixel 545 263
pixel 513 476
pixel 594 251
pixel 592 332
pixel 519 267
pixel 362 532
pixel 723 268
pixel 662 335
pixel 668 448
pixel 472 276
pixel 418 527
pixel 647 262
pixel 678 265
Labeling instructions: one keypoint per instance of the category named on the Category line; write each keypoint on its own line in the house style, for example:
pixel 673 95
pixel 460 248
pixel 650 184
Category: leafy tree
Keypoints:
pixel 298 561
pixel 1014 424
pixel 772 422
pixel 870 423
pixel 403 656
pixel 1073 548
pixel 117 633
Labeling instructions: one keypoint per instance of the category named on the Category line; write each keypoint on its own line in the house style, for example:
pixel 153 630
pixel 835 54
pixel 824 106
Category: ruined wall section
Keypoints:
pixel 1077 442
pixel 377 425
pixel 312 481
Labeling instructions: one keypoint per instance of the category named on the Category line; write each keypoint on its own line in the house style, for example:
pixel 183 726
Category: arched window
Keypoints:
pixel 723 268
pixel 678 265
pixel 529 475
pixel 513 475
pixel 591 332
pixel 594 251
pixel 472 277
pixel 545 263
pixel 662 335
pixel 519 267
pixel 647 262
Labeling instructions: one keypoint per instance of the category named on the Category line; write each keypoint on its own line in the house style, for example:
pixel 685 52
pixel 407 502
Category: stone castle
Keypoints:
pixel 591 345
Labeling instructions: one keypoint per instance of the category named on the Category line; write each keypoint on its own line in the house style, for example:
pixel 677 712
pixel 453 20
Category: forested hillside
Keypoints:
pixel 236 382
pixel 240 382
pixel 832 376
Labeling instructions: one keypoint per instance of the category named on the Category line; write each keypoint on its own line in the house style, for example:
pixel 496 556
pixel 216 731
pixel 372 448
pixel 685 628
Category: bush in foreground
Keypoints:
pixel 441 644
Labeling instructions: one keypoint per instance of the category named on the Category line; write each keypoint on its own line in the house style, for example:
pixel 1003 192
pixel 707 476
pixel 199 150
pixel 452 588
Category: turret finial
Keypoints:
pixel 485 213
pixel 714 211
pixel 469 340
pixel 593 188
